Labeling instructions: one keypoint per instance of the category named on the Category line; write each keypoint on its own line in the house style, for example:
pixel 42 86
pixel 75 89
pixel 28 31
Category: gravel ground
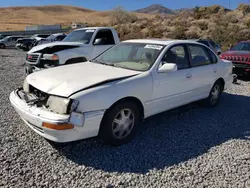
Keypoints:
pixel 188 147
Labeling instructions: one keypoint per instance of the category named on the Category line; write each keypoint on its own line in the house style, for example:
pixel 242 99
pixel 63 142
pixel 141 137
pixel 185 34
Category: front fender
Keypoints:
pixel 65 55
pixel 104 96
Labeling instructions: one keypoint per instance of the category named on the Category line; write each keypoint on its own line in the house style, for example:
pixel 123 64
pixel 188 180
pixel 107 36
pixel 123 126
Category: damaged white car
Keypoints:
pixel 113 93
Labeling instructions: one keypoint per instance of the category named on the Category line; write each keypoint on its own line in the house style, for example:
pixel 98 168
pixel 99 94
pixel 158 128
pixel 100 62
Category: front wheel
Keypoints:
pixel 119 123
pixel 2 46
pixel 214 95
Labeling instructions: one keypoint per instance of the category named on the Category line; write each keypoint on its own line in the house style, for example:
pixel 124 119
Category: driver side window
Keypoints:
pixel 104 37
pixel 178 56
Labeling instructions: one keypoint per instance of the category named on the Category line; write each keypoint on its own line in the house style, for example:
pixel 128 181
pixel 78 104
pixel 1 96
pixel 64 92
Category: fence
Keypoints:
pixel 29 33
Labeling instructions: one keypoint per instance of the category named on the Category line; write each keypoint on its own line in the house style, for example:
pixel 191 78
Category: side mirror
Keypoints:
pixel 99 41
pixel 168 67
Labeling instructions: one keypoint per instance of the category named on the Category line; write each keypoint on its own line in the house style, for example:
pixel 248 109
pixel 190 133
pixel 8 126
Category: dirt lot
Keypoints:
pixel 188 147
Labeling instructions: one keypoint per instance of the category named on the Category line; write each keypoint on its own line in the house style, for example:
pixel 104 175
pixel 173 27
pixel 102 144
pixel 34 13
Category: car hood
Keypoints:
pixel 43 46
pixel 68 79
pixel 236 53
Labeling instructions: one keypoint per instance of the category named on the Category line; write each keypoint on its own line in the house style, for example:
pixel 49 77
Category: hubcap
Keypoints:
pixel 123 123
pixel 215 94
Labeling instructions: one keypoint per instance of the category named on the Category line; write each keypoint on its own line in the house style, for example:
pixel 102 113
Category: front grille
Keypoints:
pixel 33 58
pixel 241 65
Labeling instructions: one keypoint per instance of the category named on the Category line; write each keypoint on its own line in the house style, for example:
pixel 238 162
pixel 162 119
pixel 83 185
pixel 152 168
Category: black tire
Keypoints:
pixel 2 46
pixel 213 100
pixel 107 129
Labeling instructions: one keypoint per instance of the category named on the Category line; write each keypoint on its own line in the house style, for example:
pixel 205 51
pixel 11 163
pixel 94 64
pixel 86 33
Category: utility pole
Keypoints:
pixel 229 3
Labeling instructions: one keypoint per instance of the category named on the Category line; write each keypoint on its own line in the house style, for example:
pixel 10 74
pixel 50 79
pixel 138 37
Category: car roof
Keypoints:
pixel 15 36
pixel 57 34
pixel 93 28
pixel 161 41
pixel 200 40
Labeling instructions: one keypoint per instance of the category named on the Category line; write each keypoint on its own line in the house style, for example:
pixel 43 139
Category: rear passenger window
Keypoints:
pixel 199 57
pixel 178 56
pixel 212 56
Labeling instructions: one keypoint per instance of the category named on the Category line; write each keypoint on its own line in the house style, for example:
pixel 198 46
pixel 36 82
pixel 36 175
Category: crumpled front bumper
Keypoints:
pixel 34 117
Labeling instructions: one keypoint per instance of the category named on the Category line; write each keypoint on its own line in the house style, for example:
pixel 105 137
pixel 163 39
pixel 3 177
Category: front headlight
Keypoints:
pixel 52 57
pixel 61 105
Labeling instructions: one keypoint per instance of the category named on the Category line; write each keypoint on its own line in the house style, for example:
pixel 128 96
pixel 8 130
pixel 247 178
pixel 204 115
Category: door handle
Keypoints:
pixel 215 70
pixel 188 75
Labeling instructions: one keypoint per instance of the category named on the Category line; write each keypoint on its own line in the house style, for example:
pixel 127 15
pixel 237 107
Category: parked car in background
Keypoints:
pixel 239 54
pixel 9 41
pixel 79 46
pixel 209 43
pixel 40 36
pixel 26 43
pixel 52 38
pixel 110 95
pixel 3 36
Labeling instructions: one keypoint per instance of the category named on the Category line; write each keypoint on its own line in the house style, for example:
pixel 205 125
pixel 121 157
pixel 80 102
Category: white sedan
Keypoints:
pixel 110 95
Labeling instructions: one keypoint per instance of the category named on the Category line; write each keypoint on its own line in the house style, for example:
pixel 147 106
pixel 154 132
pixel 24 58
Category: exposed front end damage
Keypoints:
pixel 35 111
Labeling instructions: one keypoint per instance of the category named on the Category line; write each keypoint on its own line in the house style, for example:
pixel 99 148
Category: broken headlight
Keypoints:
pixel 61 105
pixel 26 86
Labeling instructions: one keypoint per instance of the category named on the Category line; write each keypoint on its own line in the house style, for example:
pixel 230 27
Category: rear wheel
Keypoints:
pixel 214 95
pixel 119 123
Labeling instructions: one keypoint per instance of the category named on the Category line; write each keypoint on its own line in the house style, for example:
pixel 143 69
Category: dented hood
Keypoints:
pixel 51 44
pixel 68 79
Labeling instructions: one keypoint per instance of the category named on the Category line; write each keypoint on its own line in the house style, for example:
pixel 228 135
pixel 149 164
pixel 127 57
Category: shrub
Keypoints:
pixel 120 15
pixel 203 25
pixel 178 33
pixel 245 9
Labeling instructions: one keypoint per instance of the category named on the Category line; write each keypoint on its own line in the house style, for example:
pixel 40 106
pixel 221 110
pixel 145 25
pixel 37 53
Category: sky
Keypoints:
pixel 127 4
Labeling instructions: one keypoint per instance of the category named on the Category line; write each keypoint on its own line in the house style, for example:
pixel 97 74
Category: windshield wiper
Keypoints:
pixel 101 62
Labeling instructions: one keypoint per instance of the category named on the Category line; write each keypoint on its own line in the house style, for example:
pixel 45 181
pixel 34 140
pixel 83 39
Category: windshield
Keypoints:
pixel 33 36
pixel 5 38
pixel 83 36
pixel 242 46
pixel 134 56
pixel 50 37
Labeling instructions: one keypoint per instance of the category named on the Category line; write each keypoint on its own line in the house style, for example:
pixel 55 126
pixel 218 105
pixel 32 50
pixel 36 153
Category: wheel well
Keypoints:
pixel 75 60
pixel 135 100
pixel 221 80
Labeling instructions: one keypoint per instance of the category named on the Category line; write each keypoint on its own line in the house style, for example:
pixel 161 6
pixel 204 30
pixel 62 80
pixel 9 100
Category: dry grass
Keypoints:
pixel 16 18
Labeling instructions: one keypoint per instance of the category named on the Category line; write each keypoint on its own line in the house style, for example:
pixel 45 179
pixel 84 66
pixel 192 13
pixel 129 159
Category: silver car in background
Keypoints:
pixel 9 41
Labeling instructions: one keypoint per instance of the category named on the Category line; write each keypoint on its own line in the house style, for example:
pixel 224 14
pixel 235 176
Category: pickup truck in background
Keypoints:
pixel 79 46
